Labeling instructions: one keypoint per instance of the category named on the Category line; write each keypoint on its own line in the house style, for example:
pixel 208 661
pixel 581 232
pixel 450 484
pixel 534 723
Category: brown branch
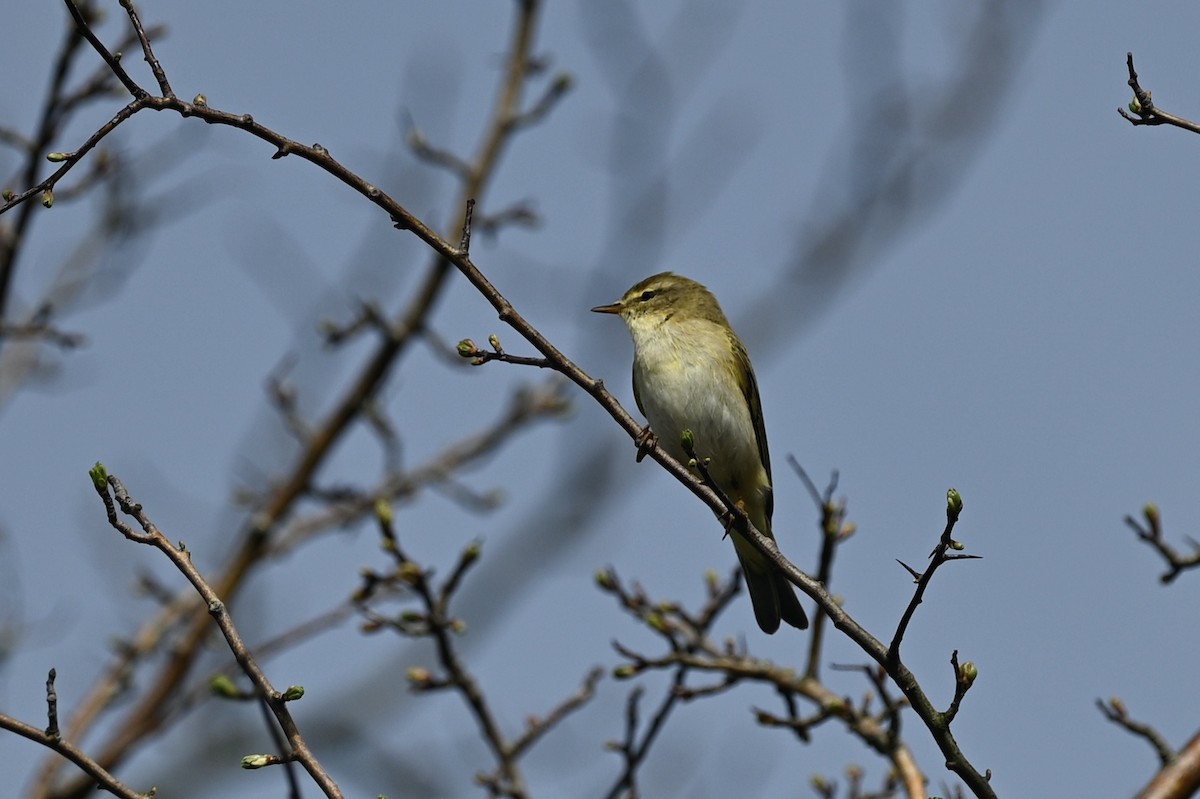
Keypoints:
pixel 275 701
pixel 1115 711
pixel 146 715
pixel 434 621
pixel 160 76
pixel 1151 533
pixel 834 530
pixel 215 682
pixel 83 27
pixel 469 349
pixel 506 118
pixel 935 721
pixel 1142 110
pixel 55 113
pixel 1179 779
pixel 95 772
pixel 690 650
pixel 539 727
pixel 528 405
pixel 634 750
pixel 940 555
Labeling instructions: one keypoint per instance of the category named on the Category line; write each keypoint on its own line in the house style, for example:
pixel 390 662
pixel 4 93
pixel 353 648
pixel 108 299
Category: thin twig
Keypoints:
pixel 146 715
pixel 940 555
pixel 1143 111
pixel 1152 534
pixel 275 701
pixel 1115 711
pixel 96 772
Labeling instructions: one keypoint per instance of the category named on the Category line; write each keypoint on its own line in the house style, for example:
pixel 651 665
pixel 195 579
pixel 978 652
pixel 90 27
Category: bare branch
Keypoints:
pixel 1151 533
pixel 939 556
pixel 1115 711
pixel 146 716
pixel 275 700
pixel 96 772
pixel 433 621
pixel 1142 110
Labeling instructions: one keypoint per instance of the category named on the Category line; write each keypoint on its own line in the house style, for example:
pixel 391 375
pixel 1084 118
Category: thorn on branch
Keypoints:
pixel 939 555
pixel 464 243
pixel 52 707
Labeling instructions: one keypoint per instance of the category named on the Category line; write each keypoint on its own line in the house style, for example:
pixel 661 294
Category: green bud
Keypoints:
pixel 383 511
pixel 467 348
pixel 293 693
pixel 48 197
pixel 200 100
pixel 409 572
pixel 957 546
pixel 656 621
pixel 1135 106
pixel 221 685
pixel 494 340
pixel 968 672
pixel 563 81
pixel 371 626
pixel 624 672
pixel 255 761
pixel 954 501
pixel 57 158
pixel 605 579
pixel 687 440
pixel 1151 513
pixel 472 552
pixel 418 676
pixel 8 194
pixel 99 476
pixel 457 626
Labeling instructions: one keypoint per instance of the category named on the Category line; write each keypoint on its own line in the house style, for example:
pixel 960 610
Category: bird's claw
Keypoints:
pixel 646 441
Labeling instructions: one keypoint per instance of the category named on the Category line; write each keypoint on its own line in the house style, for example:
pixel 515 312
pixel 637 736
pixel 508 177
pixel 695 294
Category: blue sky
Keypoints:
pixel 1014 321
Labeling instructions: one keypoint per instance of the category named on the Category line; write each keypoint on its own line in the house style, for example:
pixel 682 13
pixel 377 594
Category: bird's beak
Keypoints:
pixel 614 308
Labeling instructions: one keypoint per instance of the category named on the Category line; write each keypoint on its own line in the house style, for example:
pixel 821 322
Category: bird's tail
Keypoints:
pixel 772 596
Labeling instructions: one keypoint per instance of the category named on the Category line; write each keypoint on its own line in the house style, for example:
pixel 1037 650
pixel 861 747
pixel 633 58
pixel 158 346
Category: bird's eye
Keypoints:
pixel 647 295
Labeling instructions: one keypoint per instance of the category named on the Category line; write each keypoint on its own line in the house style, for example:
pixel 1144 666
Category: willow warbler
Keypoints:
pixel 691 372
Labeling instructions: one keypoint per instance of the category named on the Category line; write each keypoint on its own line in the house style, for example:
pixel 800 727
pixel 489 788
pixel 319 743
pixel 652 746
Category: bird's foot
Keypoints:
pixel 646 441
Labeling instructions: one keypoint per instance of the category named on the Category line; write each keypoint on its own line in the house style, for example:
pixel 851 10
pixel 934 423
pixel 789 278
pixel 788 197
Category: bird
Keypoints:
pixel 692 372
